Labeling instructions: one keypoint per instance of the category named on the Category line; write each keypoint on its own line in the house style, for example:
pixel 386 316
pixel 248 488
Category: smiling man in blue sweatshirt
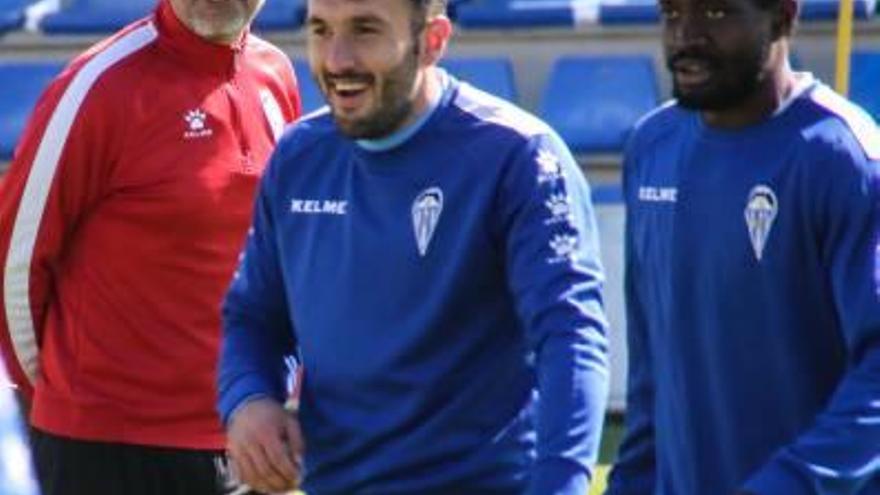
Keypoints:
pixel 753 314
pixel 430 252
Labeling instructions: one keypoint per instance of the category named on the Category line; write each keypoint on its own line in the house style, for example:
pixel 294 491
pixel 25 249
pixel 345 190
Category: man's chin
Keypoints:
pixel 219 32
pixel 702 101
pixel 712 98
pixel 349 125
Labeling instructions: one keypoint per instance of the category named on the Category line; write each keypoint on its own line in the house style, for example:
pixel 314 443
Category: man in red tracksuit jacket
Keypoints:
pixel 121 221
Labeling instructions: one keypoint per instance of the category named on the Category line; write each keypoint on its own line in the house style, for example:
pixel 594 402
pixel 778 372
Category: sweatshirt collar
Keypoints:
pixel 192 48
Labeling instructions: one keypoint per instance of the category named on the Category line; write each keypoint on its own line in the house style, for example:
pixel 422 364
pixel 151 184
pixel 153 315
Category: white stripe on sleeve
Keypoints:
pixel 16 287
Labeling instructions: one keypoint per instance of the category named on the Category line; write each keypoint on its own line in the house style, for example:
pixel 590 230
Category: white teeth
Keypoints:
pixel 349 86
pixel 692 66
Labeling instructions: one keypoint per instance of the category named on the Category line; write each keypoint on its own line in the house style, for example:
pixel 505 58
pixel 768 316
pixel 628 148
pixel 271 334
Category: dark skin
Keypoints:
pixel 729 58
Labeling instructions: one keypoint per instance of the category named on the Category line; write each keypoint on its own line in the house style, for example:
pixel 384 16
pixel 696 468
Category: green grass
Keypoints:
pixel 611 437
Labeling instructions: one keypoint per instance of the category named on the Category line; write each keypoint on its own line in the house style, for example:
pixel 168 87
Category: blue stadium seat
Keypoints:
pixel 95 16
pixel 526 13
pixel 23 83
pixel 281 15
pixel 12 14
pixel 312 99
pixel 491 74
pixel 817 10
pixel 865 81
pixel 628 12
pixel 593 102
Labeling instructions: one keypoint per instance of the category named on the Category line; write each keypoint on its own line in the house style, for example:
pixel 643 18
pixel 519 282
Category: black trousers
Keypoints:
pixel 68 466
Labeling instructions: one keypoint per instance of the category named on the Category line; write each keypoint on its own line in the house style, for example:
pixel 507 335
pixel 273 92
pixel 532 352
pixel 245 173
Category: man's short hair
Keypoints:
pixel 766 4
pixel 771 4
pixel 429 8
pixel 424 10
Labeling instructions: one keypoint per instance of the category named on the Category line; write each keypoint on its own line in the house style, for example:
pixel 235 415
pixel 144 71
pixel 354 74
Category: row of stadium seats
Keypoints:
pixel 106 16
pixel 592 101
pixel 103 16
pixel 569 13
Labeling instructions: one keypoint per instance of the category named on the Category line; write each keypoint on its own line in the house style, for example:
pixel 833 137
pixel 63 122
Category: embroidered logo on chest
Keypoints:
pixel 318 207
pixel 196 124
pixel 651 194
pixel 426 210
pixel 761 209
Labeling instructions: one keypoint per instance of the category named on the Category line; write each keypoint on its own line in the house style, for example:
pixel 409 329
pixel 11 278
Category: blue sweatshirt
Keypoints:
pixel 753 313
pixel 443 288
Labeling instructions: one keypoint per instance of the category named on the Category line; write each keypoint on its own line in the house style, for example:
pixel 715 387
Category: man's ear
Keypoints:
pixel 784 19
pixel 437 33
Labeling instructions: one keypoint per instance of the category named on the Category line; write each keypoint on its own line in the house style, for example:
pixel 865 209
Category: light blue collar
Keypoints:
pixel 399 137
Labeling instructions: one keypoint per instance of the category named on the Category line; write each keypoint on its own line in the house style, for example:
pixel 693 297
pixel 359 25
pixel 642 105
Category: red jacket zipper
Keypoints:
pixel 246 161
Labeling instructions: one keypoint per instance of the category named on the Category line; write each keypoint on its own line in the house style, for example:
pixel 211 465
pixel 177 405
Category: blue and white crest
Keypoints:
pixel 760 213
pixel 426 210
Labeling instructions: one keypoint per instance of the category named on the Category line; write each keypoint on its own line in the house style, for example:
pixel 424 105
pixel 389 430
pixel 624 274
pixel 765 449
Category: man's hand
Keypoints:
pixel 266 446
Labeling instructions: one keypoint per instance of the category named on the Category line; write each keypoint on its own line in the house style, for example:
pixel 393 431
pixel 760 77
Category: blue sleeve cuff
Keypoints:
pixel 243 402
pixel 777 477
pixel 559 477
pixel 242 390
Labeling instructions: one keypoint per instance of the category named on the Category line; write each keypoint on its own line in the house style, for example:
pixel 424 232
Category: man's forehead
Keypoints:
pixel 702 3
pixel 376 6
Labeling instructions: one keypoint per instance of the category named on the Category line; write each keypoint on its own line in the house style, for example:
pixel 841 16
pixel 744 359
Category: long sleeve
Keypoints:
pixel 556 278
pixel 634 469
pixel 257 331
pixel 840 452
pixel 60 170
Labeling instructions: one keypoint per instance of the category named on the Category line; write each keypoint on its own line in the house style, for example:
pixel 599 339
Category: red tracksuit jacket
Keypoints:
pixel 121 221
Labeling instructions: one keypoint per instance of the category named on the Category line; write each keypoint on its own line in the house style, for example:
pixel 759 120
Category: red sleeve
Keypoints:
pixel 284 68
pixel 57 174
pixel 295 99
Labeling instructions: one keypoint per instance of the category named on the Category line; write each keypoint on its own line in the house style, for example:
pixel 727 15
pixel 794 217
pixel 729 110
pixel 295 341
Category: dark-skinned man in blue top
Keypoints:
pixel 430 253
pixel 753 314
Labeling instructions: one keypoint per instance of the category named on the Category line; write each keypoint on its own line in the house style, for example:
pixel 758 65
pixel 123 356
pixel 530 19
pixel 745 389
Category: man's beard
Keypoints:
pixel 395 102
pixel 725 89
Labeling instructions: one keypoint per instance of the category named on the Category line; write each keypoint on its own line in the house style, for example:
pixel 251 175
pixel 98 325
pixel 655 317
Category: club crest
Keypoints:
pixel 760 213
pixel 426 210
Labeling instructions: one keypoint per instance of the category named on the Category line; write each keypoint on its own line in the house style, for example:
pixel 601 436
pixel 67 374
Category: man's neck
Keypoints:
pixel 428 90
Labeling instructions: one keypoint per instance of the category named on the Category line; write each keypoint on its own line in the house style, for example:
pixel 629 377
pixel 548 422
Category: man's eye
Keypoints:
pixel 669 14
pixel 317 31
pixel 365 30
pixel 715 14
